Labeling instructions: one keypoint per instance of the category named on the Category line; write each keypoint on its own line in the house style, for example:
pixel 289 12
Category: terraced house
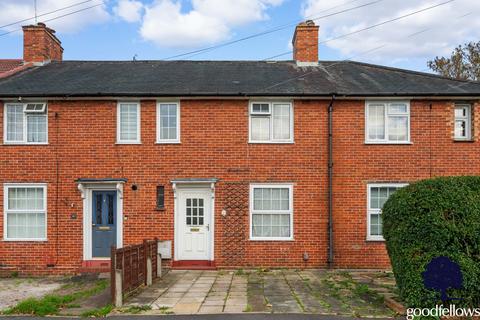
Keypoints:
pixel 229 163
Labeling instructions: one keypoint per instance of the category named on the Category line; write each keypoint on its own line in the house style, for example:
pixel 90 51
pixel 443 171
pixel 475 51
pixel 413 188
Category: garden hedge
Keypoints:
pixel 435 218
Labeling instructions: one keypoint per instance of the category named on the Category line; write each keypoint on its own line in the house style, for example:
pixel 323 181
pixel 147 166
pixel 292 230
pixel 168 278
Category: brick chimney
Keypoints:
pixel 40 45
pixel 305 44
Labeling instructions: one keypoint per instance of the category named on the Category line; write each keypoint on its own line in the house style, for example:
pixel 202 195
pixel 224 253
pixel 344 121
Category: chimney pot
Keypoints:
pixel 305 44
pixel 40 45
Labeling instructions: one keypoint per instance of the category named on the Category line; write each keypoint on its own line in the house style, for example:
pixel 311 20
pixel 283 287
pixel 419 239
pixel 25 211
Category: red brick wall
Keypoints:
pixel 214 137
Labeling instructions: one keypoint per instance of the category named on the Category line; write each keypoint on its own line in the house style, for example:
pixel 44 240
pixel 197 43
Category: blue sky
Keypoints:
pixel 156 29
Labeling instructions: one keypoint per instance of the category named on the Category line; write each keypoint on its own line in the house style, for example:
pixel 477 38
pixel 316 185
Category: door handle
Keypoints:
pixel 208 227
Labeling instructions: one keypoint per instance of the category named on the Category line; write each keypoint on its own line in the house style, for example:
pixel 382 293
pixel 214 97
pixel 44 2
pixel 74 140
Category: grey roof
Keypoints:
pixel 226 78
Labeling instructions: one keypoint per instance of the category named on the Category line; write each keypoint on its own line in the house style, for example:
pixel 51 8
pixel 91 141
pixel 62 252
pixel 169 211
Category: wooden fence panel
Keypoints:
pixel 131 261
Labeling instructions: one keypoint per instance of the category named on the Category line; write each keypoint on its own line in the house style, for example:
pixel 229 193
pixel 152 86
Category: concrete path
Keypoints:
pixel 277 291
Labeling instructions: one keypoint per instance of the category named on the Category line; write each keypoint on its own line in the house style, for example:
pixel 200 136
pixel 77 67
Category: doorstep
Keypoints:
pixel 95 266
pixel 193 265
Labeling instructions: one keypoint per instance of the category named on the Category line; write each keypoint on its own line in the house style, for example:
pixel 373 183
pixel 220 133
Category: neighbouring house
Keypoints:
pixel 229 163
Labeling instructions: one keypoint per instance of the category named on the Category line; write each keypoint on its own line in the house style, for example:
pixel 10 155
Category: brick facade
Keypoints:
pixel 214 143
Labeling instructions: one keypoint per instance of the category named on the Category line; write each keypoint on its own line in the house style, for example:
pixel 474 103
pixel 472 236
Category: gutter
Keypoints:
pixel 330 260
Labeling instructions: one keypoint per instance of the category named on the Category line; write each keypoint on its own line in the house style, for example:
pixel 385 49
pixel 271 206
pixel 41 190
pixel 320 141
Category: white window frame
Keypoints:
pixel 260 114
pixel 387 104
pixel 166 141
pixel 25 125
pixel 290 211
pixel 467 119
pixel 139 113
pixel 8 186
pixel 371 211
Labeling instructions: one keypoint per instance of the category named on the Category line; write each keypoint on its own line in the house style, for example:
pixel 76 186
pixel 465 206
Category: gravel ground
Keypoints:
pixel 13 290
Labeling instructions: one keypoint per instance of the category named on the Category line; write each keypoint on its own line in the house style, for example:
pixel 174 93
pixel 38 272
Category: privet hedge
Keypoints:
pixel 435 218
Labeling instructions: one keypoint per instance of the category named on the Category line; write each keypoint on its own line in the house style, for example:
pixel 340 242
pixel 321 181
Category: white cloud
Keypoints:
pixel 446 28
pixel 167 24
pixel 16 10
pixel 129 10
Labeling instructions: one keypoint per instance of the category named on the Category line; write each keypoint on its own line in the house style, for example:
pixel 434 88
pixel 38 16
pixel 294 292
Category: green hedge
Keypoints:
pixel 429 219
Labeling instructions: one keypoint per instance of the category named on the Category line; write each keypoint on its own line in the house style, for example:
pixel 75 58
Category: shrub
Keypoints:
pixel 434 218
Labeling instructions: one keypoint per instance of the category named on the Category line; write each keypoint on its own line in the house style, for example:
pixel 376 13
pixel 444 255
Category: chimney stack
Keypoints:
pixel 305 44
pixel 40 45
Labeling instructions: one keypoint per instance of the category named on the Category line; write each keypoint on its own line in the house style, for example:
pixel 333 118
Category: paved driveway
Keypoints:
pixel 278 291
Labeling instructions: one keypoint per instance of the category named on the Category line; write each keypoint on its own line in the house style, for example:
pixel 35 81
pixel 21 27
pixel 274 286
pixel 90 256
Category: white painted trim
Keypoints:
pixel 168 141
pixel 467 119
pixel 139 116
pixel 387 103
pixel 86 190
pixel 378 211
pixel 187 187
pixel 290 211
pixel 25 126
pixel 7 186
pixel 271 140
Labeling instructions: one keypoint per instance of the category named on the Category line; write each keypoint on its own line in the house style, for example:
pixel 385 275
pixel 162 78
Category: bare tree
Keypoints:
pixel 464 63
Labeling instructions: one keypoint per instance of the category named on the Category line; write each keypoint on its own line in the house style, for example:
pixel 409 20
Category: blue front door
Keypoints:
pixel 104 223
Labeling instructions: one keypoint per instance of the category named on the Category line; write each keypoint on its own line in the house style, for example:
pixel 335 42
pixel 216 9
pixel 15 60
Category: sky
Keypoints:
pixel 160 29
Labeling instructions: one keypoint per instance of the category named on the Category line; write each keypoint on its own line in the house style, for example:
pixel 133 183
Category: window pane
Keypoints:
pixel 281 121
pixel 398 128
pixel 37 128
pixel 129 122
pixel 15 122
pixel 260 128
pixel 260 107
pixel 25 225
pixel 375 225
pixel 25 199
pixel 376 121
pixel 168 122
pixel 271 225
pixel 397 108
pixel 460 128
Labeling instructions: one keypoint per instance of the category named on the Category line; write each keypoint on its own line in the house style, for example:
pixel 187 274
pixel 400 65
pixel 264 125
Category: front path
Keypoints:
pixel 277 291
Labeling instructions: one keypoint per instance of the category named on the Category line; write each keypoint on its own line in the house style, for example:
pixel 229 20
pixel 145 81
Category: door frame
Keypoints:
pixel 194 187
pixel 86 190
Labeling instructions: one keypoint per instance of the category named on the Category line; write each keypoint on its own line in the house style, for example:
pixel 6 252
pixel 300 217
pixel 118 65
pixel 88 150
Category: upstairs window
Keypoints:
pixel 26 123
pixel 128 123
pixel 463 122
pixel 271 122
pixel 168 122
pixel 387 122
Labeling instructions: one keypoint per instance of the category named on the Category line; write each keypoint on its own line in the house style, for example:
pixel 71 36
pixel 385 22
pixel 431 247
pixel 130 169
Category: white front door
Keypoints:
pixel 194 225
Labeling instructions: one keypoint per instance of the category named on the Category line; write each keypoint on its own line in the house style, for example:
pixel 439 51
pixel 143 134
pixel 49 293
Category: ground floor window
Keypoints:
pixel 25 212
pixel 377 196
pixel 271 212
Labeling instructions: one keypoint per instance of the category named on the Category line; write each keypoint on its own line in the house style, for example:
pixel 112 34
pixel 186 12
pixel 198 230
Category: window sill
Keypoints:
pixel 25 240
pixel 168 142
pixel 272 239
pixel 159 209
pixel 372 239
pixel 127 143
pixel 388 143
pixel 25 144
pixel 463 141
pixel 271 142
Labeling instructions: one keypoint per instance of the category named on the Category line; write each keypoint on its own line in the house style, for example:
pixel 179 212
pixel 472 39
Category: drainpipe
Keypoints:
pixel 330 182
